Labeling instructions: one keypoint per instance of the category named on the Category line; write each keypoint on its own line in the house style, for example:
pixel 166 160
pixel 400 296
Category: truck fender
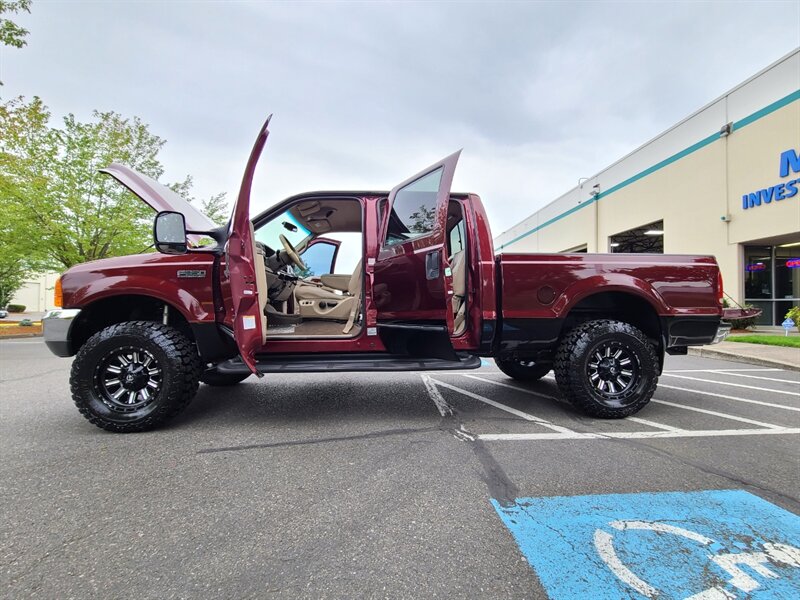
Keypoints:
pixel 166 291
pixel 609 282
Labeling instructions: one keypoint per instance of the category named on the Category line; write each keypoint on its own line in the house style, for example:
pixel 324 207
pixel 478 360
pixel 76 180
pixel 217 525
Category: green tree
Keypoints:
pixel 65 211
pixel 12 34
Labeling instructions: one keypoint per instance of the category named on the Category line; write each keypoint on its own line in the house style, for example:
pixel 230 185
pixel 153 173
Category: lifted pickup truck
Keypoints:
pixel 426 292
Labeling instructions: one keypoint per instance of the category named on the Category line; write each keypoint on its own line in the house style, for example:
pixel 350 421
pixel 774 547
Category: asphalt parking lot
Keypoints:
pixel 404 485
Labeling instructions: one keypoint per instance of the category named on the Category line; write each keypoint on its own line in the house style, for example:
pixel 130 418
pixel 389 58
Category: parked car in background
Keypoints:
pixel 3 313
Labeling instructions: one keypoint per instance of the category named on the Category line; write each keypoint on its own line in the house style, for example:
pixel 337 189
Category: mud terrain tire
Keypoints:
pixel 607 369
pixel 134 376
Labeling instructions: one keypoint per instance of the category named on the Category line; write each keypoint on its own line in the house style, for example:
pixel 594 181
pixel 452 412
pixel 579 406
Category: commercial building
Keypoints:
pixel 724 181
pixel 36 293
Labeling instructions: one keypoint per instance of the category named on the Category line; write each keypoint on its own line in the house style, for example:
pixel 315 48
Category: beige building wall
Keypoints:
pixel 753 164
pixel 37 293
pixel 692 177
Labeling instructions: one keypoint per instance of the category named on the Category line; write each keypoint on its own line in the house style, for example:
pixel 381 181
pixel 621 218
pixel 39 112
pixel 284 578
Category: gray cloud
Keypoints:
pixel 364 94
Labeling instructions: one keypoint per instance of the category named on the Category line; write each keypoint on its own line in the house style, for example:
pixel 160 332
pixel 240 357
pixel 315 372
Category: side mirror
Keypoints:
pixel 169 233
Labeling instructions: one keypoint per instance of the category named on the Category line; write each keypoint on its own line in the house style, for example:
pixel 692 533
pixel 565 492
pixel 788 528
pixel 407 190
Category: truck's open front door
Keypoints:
pixel 412 280
pixel 246 267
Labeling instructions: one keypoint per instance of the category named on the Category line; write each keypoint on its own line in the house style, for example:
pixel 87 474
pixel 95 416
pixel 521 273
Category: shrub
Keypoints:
pixel 16 308
pixel 794 315
pixel 26 323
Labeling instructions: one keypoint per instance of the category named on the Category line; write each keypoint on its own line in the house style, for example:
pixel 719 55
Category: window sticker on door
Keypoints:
pixel 248 322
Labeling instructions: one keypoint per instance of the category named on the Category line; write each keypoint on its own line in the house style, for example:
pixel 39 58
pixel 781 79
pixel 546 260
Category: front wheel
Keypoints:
pixel 134 376
pixel 523 370
pixel 607 369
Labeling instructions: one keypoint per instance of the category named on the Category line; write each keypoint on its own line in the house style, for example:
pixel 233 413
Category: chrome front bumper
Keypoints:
pixel 722 332
pixel 56 325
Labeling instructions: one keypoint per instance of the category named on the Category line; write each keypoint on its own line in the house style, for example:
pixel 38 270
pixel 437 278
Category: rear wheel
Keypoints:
pixel 222 379
pixel 607 369
pixel 134 376
pixel 523 370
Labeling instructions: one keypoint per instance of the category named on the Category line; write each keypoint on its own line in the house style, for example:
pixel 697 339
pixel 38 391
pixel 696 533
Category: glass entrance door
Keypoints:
pixel 772 280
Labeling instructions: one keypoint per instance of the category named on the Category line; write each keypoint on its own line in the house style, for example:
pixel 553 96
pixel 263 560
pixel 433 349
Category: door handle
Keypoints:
pixel 432 264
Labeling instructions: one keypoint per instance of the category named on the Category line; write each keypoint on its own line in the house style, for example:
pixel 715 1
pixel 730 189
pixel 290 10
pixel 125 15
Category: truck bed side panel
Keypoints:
pixel 540 290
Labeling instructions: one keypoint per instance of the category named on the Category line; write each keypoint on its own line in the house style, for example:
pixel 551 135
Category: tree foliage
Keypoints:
pixel 12 34
pixel 61 211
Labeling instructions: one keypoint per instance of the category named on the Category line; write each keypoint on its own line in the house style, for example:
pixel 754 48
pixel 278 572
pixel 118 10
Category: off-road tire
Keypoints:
pixel 523 370
pixel 578 351
pixel 174 355
pixel 216 379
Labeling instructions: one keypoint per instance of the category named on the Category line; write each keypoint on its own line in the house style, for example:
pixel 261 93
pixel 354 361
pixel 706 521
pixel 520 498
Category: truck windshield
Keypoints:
pixel 268 234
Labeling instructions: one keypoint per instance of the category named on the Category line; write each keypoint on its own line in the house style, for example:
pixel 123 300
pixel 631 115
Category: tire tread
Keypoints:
pixel 178 349
pixel 569 379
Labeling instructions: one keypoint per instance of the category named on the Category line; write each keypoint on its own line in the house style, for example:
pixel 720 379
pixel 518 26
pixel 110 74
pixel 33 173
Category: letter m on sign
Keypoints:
pixel 789 160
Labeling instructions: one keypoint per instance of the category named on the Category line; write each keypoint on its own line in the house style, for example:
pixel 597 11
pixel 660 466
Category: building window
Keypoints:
pixel 644 239
pixel 772 280
pixel 582 249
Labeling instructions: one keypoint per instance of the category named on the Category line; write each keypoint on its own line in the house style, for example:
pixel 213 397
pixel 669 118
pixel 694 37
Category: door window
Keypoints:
pixel 414 209
pixel 319 259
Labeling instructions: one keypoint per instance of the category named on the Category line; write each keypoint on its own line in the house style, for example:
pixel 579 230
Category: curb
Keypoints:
pixel 17 336
pixel 706 352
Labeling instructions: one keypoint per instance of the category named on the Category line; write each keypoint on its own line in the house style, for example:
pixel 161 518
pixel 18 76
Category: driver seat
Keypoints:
pixel 335 302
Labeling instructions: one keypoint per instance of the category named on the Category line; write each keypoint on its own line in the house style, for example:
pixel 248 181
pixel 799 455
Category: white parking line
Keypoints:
pixel 508 409
pixel 436 396
pixel 746 400
pixel 508 385
pixel 795 381
pixel 739 385
pixel 715 370
pixel 631 435
pixel 654 424
pixel 717 414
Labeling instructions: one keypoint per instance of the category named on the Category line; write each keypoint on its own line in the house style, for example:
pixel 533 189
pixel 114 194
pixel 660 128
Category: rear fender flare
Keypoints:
pixel 611 282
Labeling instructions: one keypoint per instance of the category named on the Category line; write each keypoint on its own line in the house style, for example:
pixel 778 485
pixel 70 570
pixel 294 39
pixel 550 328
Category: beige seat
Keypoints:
pixel 458 267
pixel 335 302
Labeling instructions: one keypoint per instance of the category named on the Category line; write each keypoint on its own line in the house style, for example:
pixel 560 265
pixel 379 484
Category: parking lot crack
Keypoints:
pixel 328 440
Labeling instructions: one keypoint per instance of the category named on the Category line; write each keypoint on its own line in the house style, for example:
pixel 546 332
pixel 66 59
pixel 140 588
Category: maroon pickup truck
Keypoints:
pixel 365 281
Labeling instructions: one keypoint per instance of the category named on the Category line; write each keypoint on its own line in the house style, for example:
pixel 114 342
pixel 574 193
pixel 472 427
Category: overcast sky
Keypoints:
pixel 366 94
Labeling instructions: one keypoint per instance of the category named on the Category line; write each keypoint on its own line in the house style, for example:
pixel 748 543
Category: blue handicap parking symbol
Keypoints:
pixel 710 545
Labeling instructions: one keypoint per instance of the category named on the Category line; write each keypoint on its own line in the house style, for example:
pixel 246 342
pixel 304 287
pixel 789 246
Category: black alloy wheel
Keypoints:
pixel 613 370
pixel 128 379
pixel 134 376
pixel 607 369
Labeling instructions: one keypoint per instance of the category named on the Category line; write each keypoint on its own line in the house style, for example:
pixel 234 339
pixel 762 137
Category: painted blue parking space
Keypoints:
pixel 709 545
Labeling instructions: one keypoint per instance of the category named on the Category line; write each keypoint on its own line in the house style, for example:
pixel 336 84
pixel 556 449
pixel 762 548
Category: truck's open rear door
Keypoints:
pixel 412 281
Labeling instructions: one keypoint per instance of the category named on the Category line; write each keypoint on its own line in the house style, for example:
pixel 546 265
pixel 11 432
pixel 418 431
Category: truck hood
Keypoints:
pixel 150 259
pixel 159 197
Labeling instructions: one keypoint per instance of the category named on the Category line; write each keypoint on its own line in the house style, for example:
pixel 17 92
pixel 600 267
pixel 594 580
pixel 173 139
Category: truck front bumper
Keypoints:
pixel 56 325
pixel 722 332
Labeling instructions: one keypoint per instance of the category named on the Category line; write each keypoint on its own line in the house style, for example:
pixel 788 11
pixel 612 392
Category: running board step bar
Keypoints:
pixel 346 362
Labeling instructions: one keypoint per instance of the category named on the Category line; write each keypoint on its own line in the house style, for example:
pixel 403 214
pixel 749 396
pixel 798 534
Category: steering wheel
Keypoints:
pixel 287 246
